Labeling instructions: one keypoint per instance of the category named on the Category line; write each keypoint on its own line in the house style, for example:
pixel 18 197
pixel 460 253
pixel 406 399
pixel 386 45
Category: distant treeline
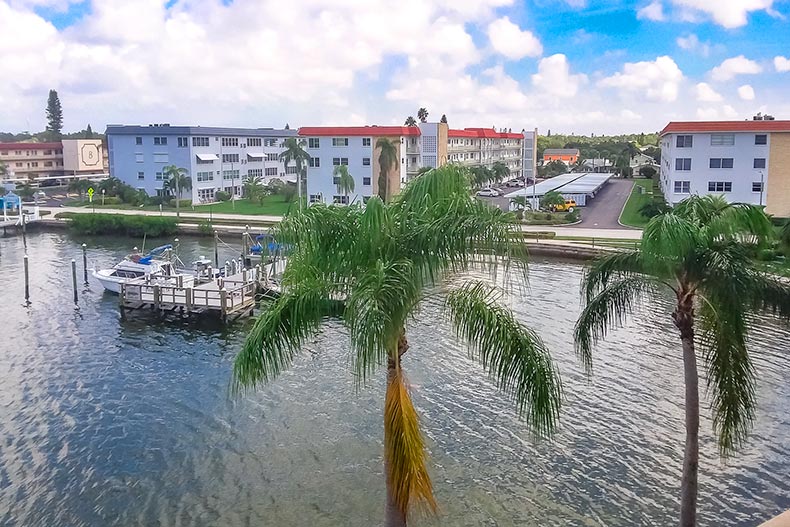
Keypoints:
pixel 43 137
pixel 600 146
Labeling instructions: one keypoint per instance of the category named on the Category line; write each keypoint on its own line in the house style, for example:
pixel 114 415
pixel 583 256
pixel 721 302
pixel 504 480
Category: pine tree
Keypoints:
pixel 287 127
pixel 89 132
pixel 54 116
pixel 443 119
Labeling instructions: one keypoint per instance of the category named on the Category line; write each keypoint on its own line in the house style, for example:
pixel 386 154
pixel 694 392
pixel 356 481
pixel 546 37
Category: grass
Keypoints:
pixel 273 205
pixel 631 215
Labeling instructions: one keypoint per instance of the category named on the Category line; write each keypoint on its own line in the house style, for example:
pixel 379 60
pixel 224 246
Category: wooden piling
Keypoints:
pixel 157 299
pixel 85 262
pixel 121 299
pixel 27 280
pixel 223 303
pixel 216 250
pixel 74 278
pixel 188 298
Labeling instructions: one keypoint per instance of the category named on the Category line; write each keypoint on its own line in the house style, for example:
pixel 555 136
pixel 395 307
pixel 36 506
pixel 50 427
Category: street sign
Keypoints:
pixel 90 194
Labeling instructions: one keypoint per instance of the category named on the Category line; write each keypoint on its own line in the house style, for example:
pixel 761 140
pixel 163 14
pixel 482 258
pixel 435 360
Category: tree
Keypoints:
pixel 388 161
pixel 343 180
pixel 500 171
pixel 553 168
pixel 647 172
pixel 422 115
pixel 3 170
pixel 295 153
pixel 54 116
pixel 178 181
pixel 80 186
pixel 410 121
pixel 700 252
pixel 253 188
pixel 89 132
pixel 370 268
pixel 551 199
pixel 481 176
pixel 443 119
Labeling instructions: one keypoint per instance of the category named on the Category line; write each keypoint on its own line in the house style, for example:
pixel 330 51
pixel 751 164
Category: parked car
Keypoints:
pixel 515 183
pixel 488 192
pixel 568 206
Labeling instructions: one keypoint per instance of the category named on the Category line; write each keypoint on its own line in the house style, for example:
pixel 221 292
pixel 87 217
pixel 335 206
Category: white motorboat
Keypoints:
pixel 136 265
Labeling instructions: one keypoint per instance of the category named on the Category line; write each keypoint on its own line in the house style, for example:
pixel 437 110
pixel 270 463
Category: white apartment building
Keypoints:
pixel 486 146
pixel 745 161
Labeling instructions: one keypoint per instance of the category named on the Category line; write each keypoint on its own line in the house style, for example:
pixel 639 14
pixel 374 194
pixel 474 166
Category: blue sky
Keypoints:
pixel 568 65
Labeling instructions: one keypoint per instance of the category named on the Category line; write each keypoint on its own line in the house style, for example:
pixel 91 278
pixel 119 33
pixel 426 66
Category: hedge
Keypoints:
pixel 123 224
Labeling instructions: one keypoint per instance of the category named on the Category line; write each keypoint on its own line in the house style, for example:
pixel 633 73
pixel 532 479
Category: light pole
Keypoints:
pixel 762 186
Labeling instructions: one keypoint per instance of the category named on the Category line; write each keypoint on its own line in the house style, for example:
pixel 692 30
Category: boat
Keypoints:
pixel 136 265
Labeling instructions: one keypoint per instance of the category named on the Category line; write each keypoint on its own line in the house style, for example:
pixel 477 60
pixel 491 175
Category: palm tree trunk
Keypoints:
pixel 178 198
pixel 684 320
pixel 393 515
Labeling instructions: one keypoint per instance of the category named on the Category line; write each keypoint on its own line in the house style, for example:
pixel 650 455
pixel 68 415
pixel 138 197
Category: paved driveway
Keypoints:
pixel 603 211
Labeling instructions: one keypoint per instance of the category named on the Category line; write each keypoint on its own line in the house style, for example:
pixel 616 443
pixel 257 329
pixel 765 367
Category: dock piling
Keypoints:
pixel 27 281
pixel 216 250
pixel 85 262
pixel 74 278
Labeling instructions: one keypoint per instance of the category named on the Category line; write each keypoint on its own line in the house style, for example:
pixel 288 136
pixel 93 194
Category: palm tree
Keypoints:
pixel 481 176
pixel 295 153
pixel 370 268
pixel 422 115
pixel 700 252
pixel 344 180
pixel 177 181
pixel 388 161
pixel 410 121
pixel 500 171
pixel 80 186
pixel 253 188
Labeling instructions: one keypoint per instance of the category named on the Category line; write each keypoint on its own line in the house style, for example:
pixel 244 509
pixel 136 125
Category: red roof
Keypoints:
pixel 342 131
pixel 725 126
pixel 483 132
pixel 30 146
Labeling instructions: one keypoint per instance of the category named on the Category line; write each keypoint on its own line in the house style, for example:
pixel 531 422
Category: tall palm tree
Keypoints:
pixel 410 121
pixel 253 188
pixel 422 115
pixel 371 267
pixel 178 181
pixel 500 171
pixel 388 161
pixel 80 186
pixel 295 153
pixel 344 180
pixel 700 253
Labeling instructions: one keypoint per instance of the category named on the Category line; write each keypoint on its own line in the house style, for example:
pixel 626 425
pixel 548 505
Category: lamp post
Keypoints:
pixel 102 196
pixel 762 186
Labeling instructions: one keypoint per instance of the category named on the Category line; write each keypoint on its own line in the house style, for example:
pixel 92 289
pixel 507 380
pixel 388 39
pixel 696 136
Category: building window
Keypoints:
pixel 141 175
pixel 683 163
pixel 335 180
pixel 271 171
pixel 230 141
pixel 270 142
pixel 366 141
pixel 365 161
pixel 183 142
pixel 761 139
pixel 719 186
pixel 206 194
pixel 205 162
pixel 315 198
pixel 254 141
pixel 230 158
pixel 340 141
pixel 138 140
pixel 722 139
pixel 160 141
pixel 230 174
pixel 721 162
pixel 200 141
pixel 759 162
pixel 255 172
pixel 313 142
pixel 337 161
pixel 757 186
pixel 47 152
pixel 139 158
pixel 366 181
pixel 340 200
pixel 272 157
pixel 47 163
pixel 205 176
pixel 314 162
pixel 34 164
pixel 159 176
pixel 682 187
pixel 290 170
pixel 684 141
pixel 161 158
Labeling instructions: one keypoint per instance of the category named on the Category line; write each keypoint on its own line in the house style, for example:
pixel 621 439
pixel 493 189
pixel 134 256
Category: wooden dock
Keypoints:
pixel 229 297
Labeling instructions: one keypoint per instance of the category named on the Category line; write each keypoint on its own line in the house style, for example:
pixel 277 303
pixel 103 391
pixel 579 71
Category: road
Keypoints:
pixel 603 211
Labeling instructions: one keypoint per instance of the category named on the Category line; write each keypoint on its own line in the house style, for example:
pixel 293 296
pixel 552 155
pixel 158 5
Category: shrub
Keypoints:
pixel 123 224
pixel 221 195
pixel 205 228
pixel 182 203
pixel 547 216
pixel 653 208
pixel 572 217
pixel 767 255
pixel 111 200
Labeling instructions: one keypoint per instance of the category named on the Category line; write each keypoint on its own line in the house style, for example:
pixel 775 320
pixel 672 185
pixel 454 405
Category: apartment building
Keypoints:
pixel 355 147
pixel 486 146
pixel 745 161
pixel 216 158
pixel 39 163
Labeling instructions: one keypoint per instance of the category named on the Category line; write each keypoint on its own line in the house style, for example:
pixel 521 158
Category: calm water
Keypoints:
pixel 111 423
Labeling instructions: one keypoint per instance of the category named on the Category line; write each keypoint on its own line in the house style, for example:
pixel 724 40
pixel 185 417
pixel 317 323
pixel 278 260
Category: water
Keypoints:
pixel 111 423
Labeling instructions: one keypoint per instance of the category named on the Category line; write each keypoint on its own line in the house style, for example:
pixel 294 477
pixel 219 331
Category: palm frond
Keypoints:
pixel 667 240
pixel 280 331
pixel 770 295
pixel 608 309
pixel 615 265
pixel 512 354
pixel 404 450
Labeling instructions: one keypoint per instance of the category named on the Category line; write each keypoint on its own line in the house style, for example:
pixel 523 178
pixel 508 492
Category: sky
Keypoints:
pixel 569 66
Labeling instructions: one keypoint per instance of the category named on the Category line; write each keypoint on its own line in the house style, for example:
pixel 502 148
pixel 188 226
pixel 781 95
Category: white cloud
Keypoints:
pixel 726 112
pixel 746 92
pixel 652 11
pixel 705 93
pixel 726 13
pixel 511 41
pixel 734 66
pixel 692 43
pixel 781 63
pixel 554 77
pixel 578 4
pixel 658 80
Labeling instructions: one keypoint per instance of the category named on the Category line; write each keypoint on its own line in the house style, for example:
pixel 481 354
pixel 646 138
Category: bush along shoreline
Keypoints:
pixel 126 225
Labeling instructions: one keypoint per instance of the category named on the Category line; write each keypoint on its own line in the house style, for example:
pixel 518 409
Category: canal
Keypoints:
pixel 104 422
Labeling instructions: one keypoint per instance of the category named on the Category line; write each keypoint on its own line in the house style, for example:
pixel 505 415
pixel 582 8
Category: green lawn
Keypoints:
pixel 630 215
pixel 273 205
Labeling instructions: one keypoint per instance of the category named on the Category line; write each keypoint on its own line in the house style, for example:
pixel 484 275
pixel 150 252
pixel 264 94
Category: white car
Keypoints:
pixel 515 183
pixel 488 192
